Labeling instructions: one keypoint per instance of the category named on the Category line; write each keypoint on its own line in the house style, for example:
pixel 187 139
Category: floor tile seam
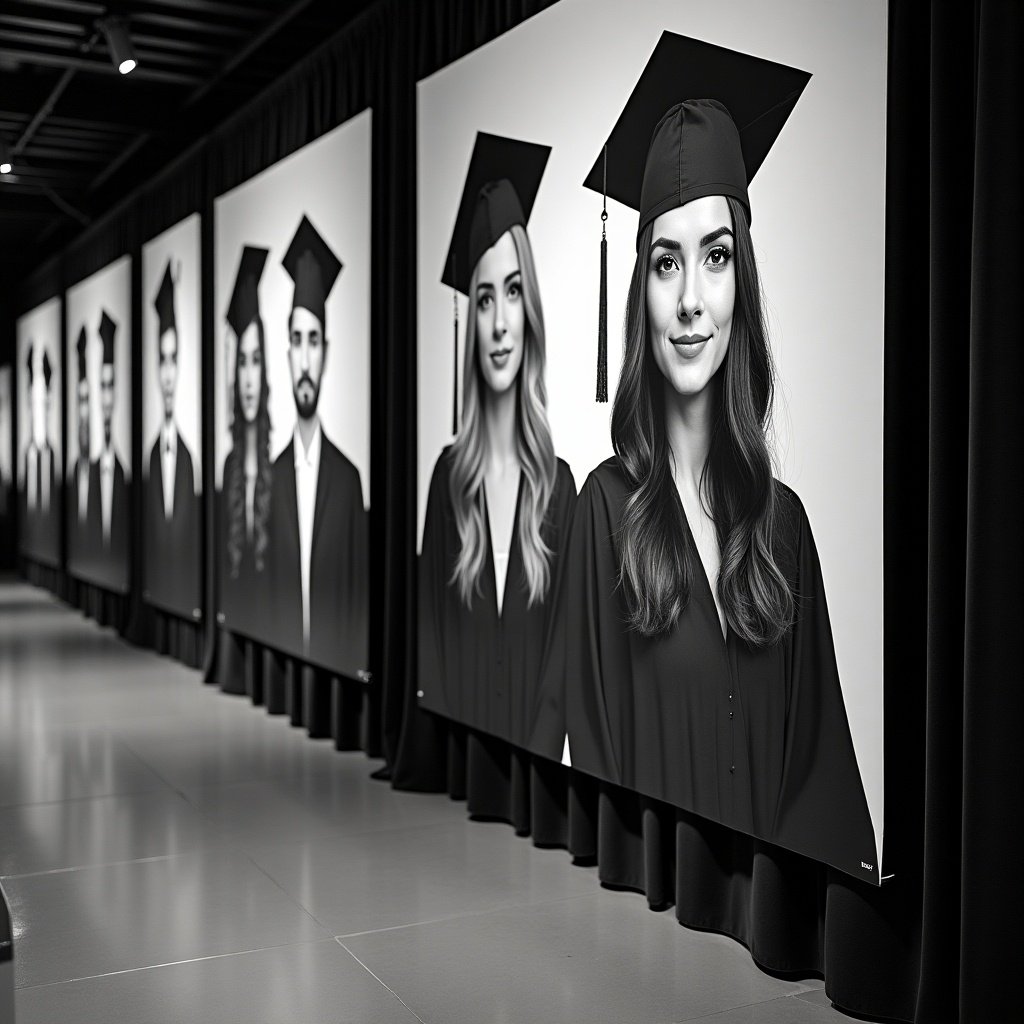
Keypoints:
pixel 446 918
pixel 732 1009
pixel 79 799
pixel 291 899
pixel 340 832
pixel 174 963
pixel 380 981
pixel 121 863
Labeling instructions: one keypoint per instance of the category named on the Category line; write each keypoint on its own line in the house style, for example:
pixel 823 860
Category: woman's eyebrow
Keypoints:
pixel 514 274
pixel 666 243
pixel 712 235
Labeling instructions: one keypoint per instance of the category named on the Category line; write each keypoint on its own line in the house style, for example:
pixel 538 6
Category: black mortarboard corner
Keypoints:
pixel 81 346
pixel 164 303
pixel 313 267
pixel 47 369
pixel 108 328
pixel 499 192
pixel 668 148
pixel 244 306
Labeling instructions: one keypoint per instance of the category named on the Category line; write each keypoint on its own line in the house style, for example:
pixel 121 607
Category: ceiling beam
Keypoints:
pixel 104 67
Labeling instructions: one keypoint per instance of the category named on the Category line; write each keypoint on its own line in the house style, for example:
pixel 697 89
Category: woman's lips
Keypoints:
pixel 500 358
pixel 690 345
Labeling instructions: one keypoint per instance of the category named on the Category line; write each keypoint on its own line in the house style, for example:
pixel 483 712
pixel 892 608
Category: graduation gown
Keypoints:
pixel 108 557
pixel 339 588
pixel 172 545
pixel 79 542
pixel 754 738
pixel 243 599
pixel 475 666
pixel 48 520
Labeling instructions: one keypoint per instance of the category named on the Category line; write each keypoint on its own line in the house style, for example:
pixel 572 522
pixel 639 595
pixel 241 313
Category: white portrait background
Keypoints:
pixel 181 245
pixel 561 79
pixel 108 289
pixel 329 182
pixel 41 328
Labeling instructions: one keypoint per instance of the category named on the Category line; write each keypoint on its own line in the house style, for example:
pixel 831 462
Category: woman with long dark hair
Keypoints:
pixel 499 501
pixel 246 480
pixel 698 658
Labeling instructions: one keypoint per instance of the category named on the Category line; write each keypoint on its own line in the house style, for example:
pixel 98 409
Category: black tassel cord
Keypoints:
pixel 455 356
pixel 602 307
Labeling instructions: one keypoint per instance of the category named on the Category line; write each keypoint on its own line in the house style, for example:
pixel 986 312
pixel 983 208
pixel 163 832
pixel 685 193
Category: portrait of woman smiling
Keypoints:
pixel 694 642
pixel 499 502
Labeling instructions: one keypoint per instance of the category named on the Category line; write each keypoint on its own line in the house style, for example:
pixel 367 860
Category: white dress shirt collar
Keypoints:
pixel 168 464
pixel 307 473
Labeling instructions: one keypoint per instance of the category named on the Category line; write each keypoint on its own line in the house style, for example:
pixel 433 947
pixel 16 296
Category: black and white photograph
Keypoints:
pixel 500 500
pixel 7 487
pixel 711 630
pixel 40 447
pixel 99 464
pixel 292 428
pixel 172 480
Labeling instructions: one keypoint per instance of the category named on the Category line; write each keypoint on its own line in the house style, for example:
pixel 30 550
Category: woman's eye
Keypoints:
pixel 514 289
pixel 719 257
pixel 665 264
pixel 484 302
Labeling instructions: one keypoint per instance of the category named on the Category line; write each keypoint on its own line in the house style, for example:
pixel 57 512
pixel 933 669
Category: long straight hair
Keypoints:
pixel 657 556
pixel 235 486
pixel 534 447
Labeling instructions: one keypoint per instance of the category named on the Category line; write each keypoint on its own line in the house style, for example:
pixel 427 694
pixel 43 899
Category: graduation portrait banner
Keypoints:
pixel 292 405
pixel 171 420
pixel 40 445
pixel 98 325
pixel 593 607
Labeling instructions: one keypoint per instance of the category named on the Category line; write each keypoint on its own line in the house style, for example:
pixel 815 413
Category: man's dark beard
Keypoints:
pixel 306 408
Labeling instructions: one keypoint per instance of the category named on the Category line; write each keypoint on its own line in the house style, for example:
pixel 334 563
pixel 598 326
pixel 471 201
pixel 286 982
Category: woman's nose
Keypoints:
pixel 690 305
pixel 500 326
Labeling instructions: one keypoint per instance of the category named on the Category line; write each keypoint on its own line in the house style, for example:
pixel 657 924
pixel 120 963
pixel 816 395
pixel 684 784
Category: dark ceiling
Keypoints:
pixel 82 136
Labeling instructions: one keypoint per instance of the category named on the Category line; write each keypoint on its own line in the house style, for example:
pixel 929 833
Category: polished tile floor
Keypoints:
pixel 170 853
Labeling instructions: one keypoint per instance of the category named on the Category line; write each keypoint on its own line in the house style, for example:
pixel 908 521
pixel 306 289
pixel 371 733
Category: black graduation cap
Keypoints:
pixel 29 363
pixel 501 187
pixel 81 346
pixel 700 121
pixel 47 369
pixel 108 328
pixel 313 267
pixel 244 306
pixel 676 138
pixel 164 303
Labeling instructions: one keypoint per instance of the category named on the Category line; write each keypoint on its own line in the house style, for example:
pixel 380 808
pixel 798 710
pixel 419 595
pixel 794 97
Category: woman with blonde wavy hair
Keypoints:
pixel 499 501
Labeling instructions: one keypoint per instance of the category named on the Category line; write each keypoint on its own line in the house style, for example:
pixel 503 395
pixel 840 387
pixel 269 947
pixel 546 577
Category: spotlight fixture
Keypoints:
pixel 122 53
pixel 5 158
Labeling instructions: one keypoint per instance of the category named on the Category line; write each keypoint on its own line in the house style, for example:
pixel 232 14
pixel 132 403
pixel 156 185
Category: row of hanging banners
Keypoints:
pixel 649 407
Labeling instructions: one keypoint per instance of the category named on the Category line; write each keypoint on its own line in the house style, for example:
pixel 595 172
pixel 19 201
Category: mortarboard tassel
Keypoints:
pixel 455 355
pixel 602 309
